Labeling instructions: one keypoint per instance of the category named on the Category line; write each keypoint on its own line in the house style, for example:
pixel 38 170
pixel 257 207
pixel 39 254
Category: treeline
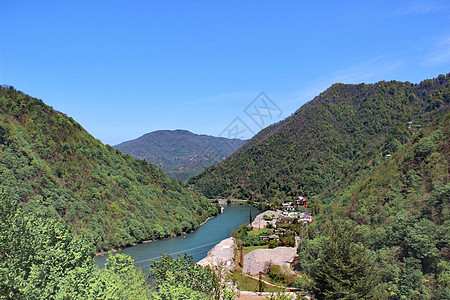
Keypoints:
pixel 52 166
pixel 327 141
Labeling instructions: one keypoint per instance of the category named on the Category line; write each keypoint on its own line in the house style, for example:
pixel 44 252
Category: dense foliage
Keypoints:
pixel 396 213
pixel 40 258
pixel 341 267
pixel 376 156
pixel 180 153
pixel 51 165
pixel 193 280
pixel 327 141
pixel 401 208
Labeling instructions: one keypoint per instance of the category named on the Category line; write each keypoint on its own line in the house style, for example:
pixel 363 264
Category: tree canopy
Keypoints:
pixel 40 258
pixel 51 165
pixel 328 141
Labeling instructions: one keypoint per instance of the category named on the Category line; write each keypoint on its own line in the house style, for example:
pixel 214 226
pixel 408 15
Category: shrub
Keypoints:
pixel 282 274
pixel 273 244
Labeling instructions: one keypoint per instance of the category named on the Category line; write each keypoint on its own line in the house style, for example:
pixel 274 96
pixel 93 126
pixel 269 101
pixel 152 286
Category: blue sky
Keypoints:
pixel 125 68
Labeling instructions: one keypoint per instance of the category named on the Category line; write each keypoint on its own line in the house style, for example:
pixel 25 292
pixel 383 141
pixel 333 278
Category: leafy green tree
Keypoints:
pixel 40 258
pixel 340 267
pixel 185 272
pixel 171 289
pixel 122 280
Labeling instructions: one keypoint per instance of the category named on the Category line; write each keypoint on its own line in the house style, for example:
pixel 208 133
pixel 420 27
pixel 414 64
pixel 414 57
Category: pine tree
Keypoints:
pixel 341 268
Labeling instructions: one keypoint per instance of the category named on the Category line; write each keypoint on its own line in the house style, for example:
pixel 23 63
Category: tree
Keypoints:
pixel 341 268
pixel 184 272
pixel 122 280
pixel 40 258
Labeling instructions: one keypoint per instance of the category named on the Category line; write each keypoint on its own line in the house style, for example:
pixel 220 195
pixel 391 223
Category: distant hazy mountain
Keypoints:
pixel 180 153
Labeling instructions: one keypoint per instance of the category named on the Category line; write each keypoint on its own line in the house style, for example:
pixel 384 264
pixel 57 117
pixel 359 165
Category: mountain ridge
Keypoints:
pixel 180 153
pixel 325 140
pixel 373 157
pixel 56 169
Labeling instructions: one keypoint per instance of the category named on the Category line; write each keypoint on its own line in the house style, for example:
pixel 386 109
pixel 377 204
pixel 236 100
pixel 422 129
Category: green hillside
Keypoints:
pixel 328 141
pixel 180 153
pixel 400 211
pixel 374 161
pixel 415 180
pixel 51 165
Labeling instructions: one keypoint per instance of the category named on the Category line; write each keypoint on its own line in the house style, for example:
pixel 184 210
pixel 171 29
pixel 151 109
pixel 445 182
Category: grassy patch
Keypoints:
pixel 273 281
pixel 251 248
pixel 245 283
pixel 258 232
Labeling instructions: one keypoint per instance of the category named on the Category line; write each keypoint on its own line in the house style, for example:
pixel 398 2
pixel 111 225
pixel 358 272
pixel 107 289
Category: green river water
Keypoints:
pixel 196 243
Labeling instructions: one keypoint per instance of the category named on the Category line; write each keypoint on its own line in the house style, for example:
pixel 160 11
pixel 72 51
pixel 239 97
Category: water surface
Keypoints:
pixel 196 243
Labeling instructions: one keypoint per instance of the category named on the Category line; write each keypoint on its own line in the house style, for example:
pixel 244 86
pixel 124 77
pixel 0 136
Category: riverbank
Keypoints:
pixel 221 255
pixel 272 217
pixel 115 250
pixel 196 244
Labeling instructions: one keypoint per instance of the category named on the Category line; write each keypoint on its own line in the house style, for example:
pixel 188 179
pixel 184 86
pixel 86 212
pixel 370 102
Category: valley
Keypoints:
pixel 370 164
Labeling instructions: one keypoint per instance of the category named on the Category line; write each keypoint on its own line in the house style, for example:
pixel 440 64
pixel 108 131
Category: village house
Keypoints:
pixel 287 206
pixel 269 237
pixel 291 214
pixel 305 218
pixel 300 200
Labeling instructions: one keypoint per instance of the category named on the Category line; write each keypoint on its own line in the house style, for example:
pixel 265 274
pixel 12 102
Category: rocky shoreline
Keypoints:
pixel 221 254
pixel 221 259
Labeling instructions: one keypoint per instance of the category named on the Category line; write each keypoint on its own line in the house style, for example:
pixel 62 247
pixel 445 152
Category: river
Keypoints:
pixel 196 243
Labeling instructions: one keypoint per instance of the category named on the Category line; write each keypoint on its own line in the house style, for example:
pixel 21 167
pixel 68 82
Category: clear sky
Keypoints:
pixel 125 68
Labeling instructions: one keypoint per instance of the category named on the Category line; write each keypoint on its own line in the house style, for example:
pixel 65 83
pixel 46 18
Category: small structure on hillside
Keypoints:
pixel 305 218
pixel 287 206
pixel 269 237
pixel 300 200
pixel 292 214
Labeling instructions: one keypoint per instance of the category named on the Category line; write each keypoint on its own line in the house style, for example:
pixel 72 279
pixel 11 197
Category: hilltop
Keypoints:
pixel 326 142
pixel 180 153
pixel 374 162
pixel 56 169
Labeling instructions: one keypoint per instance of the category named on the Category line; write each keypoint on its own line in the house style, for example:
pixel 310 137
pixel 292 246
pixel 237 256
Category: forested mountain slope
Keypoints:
pixel 400 210
pixel 180 153
pixel 328 141
pixel 375 162
pixel 50 164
